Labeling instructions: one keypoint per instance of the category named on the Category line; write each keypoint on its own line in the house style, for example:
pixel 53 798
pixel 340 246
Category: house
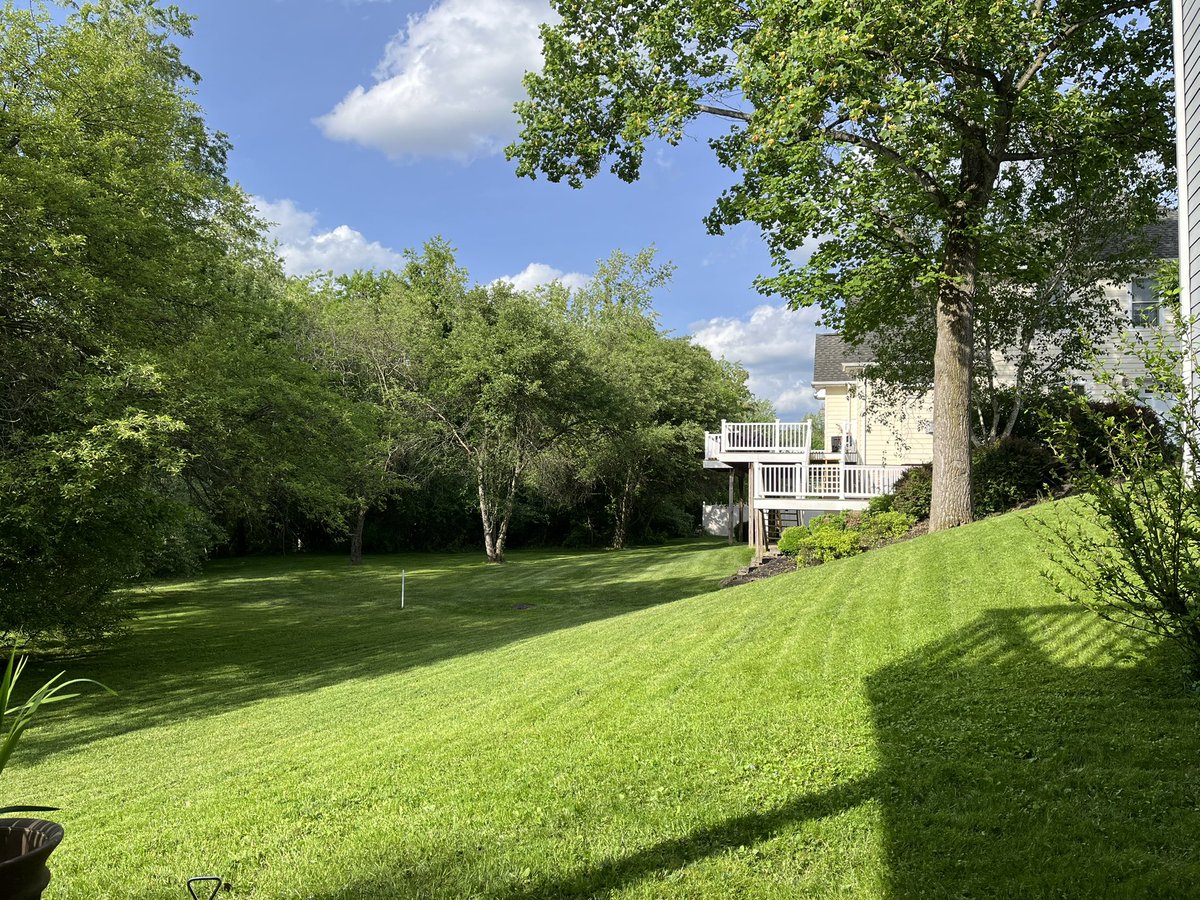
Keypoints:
pixel 871 439
pixel 872 427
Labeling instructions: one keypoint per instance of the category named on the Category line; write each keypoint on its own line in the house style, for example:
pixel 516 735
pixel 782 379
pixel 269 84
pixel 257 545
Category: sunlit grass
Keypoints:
pixel 924 719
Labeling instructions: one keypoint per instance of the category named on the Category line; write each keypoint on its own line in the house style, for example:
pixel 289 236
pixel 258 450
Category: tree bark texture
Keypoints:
pixel 356 537
pixel 495 514
pixel 488 520
pixel 952 368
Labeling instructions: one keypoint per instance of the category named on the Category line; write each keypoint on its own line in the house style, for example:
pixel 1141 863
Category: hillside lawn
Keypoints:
pixel 927 719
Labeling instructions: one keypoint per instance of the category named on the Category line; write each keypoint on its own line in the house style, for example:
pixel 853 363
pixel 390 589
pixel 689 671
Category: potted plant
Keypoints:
pixel 25 844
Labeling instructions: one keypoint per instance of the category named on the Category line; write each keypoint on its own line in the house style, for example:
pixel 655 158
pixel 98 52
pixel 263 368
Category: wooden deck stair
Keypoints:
pixel 779 519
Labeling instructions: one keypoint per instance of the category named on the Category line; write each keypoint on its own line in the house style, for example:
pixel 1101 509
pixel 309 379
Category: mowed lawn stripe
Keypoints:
pixel 924 719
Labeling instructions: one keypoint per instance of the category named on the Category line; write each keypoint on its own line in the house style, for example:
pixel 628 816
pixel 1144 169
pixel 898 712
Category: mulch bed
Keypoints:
pixel 775 566
pixel 778 565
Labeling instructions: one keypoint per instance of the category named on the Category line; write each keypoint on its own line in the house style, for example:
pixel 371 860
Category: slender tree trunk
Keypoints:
pixel 502 532
pixel 1018 385
pixel 356 536
pixel 487 519
pixel 624 512
pixel 952 377
pixel 495 521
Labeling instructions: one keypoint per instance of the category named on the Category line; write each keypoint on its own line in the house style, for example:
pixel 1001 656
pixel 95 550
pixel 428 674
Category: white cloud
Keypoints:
pixel 775 345
pixel 536 274
pixel 305 249
pixel 447 82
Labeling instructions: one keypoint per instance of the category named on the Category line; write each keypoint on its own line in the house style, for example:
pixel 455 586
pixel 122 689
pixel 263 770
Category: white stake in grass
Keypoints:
pixel 403 575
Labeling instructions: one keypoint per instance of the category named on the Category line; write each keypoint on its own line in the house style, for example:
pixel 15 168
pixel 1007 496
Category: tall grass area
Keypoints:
pixel 926 719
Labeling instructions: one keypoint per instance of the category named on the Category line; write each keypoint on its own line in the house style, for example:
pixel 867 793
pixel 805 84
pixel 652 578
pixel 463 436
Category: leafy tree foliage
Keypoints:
pixel 1129 548
pixel 665 390
pixel 140 386
pixel 884 128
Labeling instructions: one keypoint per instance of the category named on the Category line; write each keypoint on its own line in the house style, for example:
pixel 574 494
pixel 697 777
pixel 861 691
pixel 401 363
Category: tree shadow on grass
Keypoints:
pixel 1032 753
pixel 252 630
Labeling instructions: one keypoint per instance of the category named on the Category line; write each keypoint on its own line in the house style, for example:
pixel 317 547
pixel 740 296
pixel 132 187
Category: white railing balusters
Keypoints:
pixel 765 437
pixel 832 480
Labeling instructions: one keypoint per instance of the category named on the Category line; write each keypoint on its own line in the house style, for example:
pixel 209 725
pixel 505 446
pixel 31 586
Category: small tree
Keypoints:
pixel 1129 549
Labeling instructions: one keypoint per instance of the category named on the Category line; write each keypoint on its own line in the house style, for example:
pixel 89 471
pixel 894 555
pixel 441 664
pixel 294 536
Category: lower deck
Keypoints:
pixel 766 497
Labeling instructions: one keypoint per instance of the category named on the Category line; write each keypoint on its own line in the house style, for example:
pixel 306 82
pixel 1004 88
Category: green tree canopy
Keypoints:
pixel 880 127
pixel 135 312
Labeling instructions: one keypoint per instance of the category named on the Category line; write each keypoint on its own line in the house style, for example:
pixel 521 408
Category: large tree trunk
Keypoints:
pixel 952 375
pixel 356 536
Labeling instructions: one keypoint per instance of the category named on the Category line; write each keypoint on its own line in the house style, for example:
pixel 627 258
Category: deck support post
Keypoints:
pixel 730 520
pixel 751 519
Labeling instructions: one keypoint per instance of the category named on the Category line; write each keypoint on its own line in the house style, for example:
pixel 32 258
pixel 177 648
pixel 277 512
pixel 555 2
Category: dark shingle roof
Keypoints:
pixel 1164 235
pixel 831 354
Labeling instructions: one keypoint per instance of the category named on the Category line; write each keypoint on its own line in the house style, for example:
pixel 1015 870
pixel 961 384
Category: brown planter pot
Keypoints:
pixel 24 846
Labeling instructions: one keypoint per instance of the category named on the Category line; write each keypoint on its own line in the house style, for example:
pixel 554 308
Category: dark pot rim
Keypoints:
pixel 43 836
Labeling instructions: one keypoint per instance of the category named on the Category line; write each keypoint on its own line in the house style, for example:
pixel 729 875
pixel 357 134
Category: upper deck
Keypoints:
pixel 786 469
pixel 758 441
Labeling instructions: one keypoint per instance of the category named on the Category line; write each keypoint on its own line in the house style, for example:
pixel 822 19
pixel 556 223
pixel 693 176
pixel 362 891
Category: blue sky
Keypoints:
pixel 364 127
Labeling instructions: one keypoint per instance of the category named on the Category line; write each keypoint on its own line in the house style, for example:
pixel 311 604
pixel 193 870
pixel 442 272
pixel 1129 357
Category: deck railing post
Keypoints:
pixel 842 475
pixel 776 435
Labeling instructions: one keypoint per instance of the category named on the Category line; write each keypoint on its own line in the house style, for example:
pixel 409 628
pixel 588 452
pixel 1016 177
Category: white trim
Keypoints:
pixel 1183 175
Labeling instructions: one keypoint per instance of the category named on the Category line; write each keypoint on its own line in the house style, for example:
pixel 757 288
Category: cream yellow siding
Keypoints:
pixel 884 434
pixel 837 411
pixel 895 433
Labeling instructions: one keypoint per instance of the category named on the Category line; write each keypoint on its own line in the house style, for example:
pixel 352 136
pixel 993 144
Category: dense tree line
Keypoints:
pixel 167 393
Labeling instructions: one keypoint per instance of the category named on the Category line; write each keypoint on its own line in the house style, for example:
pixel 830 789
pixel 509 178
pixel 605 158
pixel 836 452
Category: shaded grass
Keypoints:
pixel 926 719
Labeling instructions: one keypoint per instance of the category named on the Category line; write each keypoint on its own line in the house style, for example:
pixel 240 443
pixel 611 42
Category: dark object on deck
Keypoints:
pixel 25 845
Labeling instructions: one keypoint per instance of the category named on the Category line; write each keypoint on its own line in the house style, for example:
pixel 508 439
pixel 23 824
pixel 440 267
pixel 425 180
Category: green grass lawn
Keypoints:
pixel 926 719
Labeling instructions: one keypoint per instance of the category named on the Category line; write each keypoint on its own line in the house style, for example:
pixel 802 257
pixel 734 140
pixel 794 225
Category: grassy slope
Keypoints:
pixel 922 720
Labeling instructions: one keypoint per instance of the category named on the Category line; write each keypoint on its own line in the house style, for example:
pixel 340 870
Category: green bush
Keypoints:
pixel 880 527
pixel 837 521
pixel 790 539
pixel 1102 431
pixel 881 504
pixel 838 535
pixel 827 543
pixel 913 493
pixel 1011 471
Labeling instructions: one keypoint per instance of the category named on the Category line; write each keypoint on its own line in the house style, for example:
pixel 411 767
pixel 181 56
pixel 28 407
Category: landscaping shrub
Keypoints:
pixel 881 527
pixel 1011 471
pixel 1103 430
pixel 826 543
pixel 881 504
pixel 913 493
pixel 838 535
pixel 791 538
pixel 1129 548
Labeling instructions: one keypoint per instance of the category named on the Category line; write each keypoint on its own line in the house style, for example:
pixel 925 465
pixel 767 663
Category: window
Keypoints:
pixel 835 444
pixel 1145 310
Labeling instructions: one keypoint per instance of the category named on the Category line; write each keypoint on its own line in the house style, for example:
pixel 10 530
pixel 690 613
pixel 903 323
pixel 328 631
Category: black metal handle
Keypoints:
pixel 201 879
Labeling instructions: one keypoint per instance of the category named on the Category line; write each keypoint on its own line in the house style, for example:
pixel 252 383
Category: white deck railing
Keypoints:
pixel 844 482
pixel 758 437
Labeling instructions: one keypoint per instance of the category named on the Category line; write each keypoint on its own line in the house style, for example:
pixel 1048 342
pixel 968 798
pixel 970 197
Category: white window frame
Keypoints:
pixel 1145 311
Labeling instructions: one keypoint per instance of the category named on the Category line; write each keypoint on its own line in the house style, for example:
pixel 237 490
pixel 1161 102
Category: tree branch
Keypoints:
pixel 724 113
pixel 1064 36
pixel 923 178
